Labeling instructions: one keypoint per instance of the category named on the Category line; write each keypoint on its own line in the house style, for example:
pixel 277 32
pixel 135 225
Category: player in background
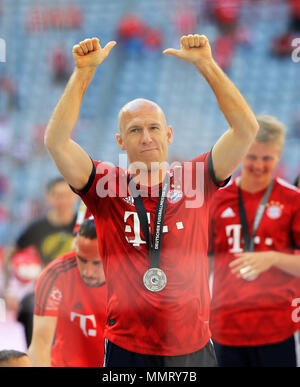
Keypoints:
pixel 70 307
pixel 255 231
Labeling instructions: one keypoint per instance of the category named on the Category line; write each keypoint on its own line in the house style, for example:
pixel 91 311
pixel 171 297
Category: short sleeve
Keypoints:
pixel 105 181
pixel 50 287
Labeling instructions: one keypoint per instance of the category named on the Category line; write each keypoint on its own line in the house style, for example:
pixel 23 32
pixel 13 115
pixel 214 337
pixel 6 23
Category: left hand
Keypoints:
pixel 193 48
pixel 250 265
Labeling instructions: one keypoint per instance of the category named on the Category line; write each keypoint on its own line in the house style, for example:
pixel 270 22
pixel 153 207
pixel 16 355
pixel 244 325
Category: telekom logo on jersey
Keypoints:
pixel 234 232
pixel 83 323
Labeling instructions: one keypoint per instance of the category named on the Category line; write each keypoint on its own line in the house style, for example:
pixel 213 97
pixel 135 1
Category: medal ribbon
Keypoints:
pixel 249 241
pixel 155 247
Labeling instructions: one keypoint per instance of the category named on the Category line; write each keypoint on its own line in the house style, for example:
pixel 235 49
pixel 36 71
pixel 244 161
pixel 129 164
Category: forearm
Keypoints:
pixel 40 355
pixel 231 102
pixel 66 112
pixel 289 263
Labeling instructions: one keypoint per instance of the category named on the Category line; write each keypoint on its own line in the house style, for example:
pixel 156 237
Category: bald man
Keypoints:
pixel 151 222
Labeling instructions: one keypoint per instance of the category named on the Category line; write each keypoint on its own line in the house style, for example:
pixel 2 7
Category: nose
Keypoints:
pixel 258 164
pixel 146 136
pixel 88 271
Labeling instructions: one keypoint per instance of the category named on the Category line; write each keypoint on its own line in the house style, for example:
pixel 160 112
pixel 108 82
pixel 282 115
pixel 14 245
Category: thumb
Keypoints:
pixel 109 46
pixel 172 51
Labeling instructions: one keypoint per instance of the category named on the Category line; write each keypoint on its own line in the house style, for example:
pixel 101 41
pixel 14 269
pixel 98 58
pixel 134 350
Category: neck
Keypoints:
pixel 149 178
pixel 60 218
pixel 252 185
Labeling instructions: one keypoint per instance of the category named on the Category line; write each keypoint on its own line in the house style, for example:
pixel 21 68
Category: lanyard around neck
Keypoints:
pixel 155 246
pixel 249 241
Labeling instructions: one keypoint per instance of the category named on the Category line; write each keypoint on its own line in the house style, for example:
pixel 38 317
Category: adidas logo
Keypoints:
pixel 228 213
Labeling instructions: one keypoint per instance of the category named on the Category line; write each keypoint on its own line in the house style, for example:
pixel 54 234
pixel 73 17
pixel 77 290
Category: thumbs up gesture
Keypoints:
pixel 193 48
pixel 89 52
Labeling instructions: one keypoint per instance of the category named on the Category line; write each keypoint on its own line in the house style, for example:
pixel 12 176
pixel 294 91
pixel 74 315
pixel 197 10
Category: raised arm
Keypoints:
pixel 42 340
pixel 232 146
pixel 71 160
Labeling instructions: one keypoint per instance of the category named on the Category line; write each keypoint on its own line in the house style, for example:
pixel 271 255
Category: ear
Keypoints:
pixel 120 141
pixel 170 134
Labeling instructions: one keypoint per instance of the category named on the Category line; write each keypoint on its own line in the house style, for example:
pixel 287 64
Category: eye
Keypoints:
pixel 134 130
pixel 82 260
pixel 267 158
pixel 154 127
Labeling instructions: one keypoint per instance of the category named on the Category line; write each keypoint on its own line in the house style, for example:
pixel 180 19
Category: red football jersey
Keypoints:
pixel 174 321
pixel 80 311
pixel 254 312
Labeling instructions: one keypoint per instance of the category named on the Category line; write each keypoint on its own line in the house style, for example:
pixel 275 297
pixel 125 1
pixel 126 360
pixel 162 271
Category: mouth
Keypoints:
pixel 89 280
pixel 258 173
pixel 149 150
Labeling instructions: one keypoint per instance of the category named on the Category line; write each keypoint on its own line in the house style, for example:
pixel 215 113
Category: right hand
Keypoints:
pixel 89 53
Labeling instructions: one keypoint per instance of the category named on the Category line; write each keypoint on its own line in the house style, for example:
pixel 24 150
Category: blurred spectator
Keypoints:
pixel 45 17
pixel 60 65
pixel 37 135
pixel 4 185
pixel 131 30
pixel 226 14
pixel 185 21
pixel 5 135
pixel 12 358
pixel 224 51
pixel 281 46
pixel 8 88
pixel 152 41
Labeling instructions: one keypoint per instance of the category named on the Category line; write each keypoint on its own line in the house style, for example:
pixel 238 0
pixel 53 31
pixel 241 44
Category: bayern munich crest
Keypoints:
pixel 174 196
pixel 274 210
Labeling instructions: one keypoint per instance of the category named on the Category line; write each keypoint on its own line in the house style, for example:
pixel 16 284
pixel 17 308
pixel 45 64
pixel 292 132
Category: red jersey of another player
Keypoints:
pixel 80 311
pixel 254 312
pixel 175 320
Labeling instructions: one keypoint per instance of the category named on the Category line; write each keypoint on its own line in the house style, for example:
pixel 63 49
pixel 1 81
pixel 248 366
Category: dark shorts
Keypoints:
pixel 119 357
pixel 281 354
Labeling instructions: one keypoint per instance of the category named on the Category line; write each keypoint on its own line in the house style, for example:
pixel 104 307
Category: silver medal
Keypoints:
pixel 155 279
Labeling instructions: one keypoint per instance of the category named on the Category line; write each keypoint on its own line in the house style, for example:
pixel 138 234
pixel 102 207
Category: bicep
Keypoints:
pixel 73 163
pixel 228 152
